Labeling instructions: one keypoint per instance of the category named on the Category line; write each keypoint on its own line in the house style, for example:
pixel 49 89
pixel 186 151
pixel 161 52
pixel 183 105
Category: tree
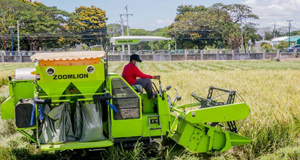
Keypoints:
pixel 268 36
pixel 250 33
pixel 113 29
pixel 196 29
pixel 192 28
pixel 282 45
pixel 43 23
pixel 239 14
pixel 38 23
pixel 9 10
pixel 181 10
pixel 91 25
pixel 218 25
pixel 138 32
pixel 295 33
pixel 266 46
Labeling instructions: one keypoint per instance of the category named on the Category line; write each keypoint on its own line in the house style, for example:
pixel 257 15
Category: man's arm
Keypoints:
pixel 140 74
pixel 156 77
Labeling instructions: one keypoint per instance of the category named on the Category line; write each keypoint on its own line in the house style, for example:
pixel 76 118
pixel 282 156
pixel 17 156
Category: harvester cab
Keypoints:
pixel 69 101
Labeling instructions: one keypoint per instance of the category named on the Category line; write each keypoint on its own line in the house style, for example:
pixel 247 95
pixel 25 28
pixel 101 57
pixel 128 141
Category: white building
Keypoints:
pixel 276 41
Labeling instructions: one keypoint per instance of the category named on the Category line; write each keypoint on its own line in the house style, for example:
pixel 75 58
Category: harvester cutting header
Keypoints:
pixel 69 101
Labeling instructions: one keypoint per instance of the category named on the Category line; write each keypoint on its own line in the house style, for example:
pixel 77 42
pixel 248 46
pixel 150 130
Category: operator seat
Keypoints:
pixel 138 88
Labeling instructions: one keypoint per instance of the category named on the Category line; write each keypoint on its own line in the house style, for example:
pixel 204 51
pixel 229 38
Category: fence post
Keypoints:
pixel 264 54
pixel 232 52
pixel 153 55
pixel 2 56
pixel 185 54
pixel 249 54
pixel 202 56
pixel 278 54
pixel 218 55
pixel 295 53
pixel 20 57
pixel 122 56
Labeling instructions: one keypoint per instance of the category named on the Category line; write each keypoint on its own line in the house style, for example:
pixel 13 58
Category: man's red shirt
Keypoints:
pixel 131 72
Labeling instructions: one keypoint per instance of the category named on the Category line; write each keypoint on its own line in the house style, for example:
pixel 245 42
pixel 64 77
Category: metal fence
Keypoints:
pixel 15 53
pixel 158 52
pixel 189 51
pixel 165 55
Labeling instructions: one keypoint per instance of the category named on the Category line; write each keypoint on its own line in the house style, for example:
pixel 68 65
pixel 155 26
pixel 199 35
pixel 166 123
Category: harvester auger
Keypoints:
pixel 69 101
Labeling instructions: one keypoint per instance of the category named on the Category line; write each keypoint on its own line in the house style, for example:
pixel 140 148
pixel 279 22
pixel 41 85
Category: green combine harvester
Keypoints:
pixel 69 101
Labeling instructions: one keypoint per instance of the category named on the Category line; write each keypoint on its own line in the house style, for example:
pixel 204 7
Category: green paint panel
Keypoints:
pixel 147 104
pixel 164 112
pixel 201 138
pixel 17 89
pixel 8 109
pixel 127 128
pixel 23 89
pixel 237 139
pixel 218 140
pixel 127 41
pixel 64 75
pixel 224 113
pixel 186 131
pixel 76 145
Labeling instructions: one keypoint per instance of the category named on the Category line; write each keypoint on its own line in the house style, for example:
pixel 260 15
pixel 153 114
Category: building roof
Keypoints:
pixel 122 40
pixel 263 42
pixel 293 39
pixel 279 39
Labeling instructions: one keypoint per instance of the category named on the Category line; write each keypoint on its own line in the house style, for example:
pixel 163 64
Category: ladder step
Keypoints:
pixel 157 122
pixel 155 128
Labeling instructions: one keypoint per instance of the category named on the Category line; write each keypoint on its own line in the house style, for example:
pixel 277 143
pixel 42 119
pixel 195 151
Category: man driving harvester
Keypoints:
pixel 131 72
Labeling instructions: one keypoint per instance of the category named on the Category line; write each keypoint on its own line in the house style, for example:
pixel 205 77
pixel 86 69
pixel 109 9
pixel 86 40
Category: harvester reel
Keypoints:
pixel 210 101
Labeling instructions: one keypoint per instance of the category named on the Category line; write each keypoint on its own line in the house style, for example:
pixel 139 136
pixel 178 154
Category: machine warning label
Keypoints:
pixel 70 76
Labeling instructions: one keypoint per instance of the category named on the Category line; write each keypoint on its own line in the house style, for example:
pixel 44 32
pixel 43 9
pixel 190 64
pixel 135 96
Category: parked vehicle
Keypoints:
pixel 292 48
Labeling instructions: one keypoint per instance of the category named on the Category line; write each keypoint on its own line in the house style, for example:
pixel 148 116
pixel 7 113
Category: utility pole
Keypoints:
pixel 242 38
pixel 175 36
pixel 289 31
pixel 113 36
pixel 18 27
pixel 12 39
pixel 274 30
pixel 122 31
pixel 127 25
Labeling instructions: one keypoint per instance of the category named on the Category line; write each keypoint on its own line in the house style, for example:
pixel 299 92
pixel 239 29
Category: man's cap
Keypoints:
pixel 135 57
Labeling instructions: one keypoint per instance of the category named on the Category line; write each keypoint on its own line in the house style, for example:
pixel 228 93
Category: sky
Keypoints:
pixel 153 14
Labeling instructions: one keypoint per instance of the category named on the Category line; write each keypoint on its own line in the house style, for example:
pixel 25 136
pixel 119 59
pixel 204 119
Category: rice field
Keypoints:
pixel 270 88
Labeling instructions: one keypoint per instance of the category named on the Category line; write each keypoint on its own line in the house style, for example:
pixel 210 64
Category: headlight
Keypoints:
pixel 50 71
pixel 90 69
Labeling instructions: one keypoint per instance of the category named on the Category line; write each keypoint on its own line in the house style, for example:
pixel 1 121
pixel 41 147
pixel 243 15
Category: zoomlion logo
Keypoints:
pixel 125 41
pixel 70 76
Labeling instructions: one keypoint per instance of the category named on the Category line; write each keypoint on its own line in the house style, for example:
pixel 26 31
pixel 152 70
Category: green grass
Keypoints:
pixel 270 88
